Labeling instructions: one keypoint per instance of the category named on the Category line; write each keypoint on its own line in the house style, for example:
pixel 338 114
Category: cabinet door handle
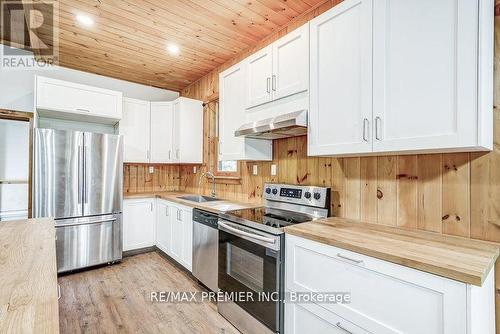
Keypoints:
pixel 166 211
pixel 268 82
pixel 169 154
pixel 378 120
pixel 180 215
pixel 349 259
pixel 177 153
pixel 339 326
pixel 151 206
pixel 365 127
pixel 82 109
pixel 58 292
pixel 274 82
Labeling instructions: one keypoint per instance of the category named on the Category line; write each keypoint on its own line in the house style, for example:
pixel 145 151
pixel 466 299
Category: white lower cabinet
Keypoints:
pixel 169 226
pixel 175 237
pixel 138 223
pixel 164 211
pixel 186 215
pixel 176 246
pixel 311 318
pixel 385 297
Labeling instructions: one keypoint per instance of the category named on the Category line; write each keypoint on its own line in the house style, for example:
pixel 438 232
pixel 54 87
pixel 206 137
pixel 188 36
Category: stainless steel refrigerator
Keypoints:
pixel 78 180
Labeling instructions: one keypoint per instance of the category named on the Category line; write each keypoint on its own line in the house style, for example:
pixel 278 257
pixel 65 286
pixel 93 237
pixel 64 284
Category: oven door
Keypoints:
pixel 250 265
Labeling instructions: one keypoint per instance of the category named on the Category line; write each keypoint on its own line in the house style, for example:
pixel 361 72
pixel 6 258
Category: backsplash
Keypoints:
pixel 136 178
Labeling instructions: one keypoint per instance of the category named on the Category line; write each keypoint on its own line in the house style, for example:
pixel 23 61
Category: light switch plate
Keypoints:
pixel 151 169
pixel 194 170
pixel 255 170
pixel 273 169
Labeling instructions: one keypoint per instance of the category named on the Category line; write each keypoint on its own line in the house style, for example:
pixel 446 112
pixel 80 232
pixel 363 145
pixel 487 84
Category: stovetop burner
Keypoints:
pixel 285 205
pixel 271 217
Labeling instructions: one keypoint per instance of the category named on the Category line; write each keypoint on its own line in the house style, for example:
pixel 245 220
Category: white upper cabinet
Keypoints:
pixel 161 132
pixel 421 84
pixel 279 70
pixel 231 116
pixel 426 75
pixel 291 63
pixel 187 139
pixel 135 129
pixel 340 90
pixel 258 83
pixel 68 100
pixel 176 105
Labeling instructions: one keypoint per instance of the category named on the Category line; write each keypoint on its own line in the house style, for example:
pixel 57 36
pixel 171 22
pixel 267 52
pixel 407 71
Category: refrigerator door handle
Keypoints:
pixel 85 188
pixel 86 223
pixel 80 173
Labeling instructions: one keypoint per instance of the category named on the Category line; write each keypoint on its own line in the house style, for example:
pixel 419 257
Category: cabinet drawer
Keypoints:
pixel 313 319
pixel 385 297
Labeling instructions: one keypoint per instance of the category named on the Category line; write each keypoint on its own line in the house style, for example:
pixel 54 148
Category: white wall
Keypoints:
pixel 17 86
pixel 14 143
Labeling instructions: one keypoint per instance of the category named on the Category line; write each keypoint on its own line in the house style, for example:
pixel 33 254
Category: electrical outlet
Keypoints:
pixel 273 170
pixel 194 170
pixel 151 169
pixel 255 170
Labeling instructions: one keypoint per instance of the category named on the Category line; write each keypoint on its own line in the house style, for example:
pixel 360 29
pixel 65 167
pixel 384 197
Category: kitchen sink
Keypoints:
pixel 198 198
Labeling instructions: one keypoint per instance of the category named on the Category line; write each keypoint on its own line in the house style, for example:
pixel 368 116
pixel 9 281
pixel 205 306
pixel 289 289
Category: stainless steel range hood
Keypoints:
pixel 283 126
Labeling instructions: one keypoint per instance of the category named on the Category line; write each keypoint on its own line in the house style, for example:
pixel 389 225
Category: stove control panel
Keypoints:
pixel 305 195
pixel 291 192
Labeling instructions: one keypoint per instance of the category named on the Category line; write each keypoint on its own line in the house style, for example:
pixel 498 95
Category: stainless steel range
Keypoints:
pixel 251 254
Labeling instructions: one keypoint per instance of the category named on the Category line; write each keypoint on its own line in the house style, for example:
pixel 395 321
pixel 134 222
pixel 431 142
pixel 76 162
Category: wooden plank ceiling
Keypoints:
pixel 129 37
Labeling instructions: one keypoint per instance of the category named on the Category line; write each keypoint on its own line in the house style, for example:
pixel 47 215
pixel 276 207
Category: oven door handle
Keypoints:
pixel 247 234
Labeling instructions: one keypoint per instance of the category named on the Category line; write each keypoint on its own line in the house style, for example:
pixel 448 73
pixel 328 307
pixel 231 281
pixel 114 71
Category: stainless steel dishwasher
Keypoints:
pixel 205 248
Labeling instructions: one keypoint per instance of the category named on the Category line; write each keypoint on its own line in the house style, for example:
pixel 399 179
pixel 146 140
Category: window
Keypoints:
pixel 230 166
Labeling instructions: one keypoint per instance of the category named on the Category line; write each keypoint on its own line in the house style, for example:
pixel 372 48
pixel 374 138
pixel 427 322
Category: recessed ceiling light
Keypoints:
pixel 173 49
pixel 84 19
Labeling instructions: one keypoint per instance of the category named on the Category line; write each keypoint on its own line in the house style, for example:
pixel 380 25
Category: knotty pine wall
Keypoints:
pixel 136 178
pixel 456 194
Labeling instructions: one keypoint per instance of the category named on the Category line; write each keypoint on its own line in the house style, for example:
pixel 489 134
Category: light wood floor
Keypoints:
pixel 116 299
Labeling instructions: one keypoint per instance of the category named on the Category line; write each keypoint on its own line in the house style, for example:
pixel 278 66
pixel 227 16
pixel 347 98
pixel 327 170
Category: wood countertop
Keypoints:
pixel 461 259
pixel 173 196
pixel 28 277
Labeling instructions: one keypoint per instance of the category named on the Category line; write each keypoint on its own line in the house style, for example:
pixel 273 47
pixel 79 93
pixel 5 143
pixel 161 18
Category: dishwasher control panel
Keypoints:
pixel 205 217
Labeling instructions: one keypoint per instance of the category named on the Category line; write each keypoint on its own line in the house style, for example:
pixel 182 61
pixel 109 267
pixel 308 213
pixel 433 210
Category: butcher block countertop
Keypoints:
pixel 172 196
pixel 28 277
pixel 457 258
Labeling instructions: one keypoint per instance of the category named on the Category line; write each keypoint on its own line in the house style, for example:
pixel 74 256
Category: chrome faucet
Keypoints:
pixel 208 174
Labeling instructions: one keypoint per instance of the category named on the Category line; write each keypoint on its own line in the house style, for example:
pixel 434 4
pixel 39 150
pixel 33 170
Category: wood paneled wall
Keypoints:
pixel 456 194
pixel 136 178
